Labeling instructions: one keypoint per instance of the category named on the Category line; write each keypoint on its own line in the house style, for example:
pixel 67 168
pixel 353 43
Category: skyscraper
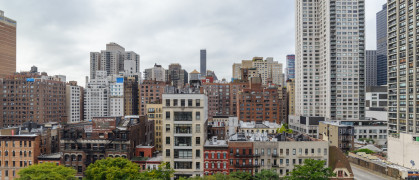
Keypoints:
pixel 7 45
pixel 329 65
pixel 203 58
pixel 290 70
pixel 403 82
pixel 382 46
pixel 370 68
pixel 114 60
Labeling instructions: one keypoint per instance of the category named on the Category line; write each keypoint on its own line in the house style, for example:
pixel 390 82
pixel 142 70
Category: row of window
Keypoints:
pixel 13 143
pixel 183 102
pixel 21 153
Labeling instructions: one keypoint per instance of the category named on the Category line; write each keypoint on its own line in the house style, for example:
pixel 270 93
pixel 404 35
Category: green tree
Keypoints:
pixel 311 170
pixel 284 128
pixel 367 151
pixel 47 171
pixel 112 168
pixel 164 172
pixel 267 175
pixel 241 175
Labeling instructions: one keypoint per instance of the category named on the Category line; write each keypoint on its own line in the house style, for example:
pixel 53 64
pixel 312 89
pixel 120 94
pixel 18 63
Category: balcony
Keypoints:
pixel 243 155
pixel 275 165
pixel 275 155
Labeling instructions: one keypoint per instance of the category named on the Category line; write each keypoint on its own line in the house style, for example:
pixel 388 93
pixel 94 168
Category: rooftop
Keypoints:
pixel 216 143
pixel 50 156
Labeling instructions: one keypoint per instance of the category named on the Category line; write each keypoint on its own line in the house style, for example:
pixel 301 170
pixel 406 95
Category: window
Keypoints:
pixel 218 156
pixel 212 155
pixel 198 102
pixel 269 151
pixel 225 156
pixel 167 115
pixel 182 102
pixel 198 115
pixel 189 102
pixel 167 140
pixel 174 102
pixel 167 152
pixel 183 153
pixel 294 151
pixel 325 151
pixel 206 155
pixel 198 153
pixel 167 102
pixel 198 128
pixel 167 127
pixel 198 140
pixel 198 165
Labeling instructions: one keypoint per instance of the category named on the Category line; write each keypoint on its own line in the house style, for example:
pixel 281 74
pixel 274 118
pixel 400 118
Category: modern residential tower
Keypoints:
pixel 403 82
pixel 329 64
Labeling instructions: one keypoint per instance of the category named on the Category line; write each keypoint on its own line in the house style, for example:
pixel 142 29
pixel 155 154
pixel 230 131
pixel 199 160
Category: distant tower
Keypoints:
pixel 8 46
pixel 203 62
pixel 381 18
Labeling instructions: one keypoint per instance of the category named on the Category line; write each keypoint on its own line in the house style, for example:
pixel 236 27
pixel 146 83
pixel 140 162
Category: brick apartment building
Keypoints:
pixel 218 98
pixel 84 143
pixel 216 157
pixel 241 156
pixel 149 92
pixel 222 98
pixel 259 103
pixel 16 152
pixel 30 96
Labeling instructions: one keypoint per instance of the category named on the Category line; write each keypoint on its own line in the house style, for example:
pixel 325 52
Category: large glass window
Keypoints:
pixel 183 153
pixel 183 165
pixel 183 116
pixel 183 128
pixel 183 141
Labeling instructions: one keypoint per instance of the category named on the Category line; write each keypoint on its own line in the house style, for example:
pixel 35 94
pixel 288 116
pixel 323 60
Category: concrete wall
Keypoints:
pixel 403 151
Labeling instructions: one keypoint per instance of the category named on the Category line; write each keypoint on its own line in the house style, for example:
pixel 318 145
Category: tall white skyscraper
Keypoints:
pixel 329 61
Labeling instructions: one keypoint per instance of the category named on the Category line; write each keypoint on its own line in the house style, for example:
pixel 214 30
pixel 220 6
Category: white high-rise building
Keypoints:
pixel 156 73
pixel 74 102
pixel 113 60
pixel 96 97
pixel 329 61
pixel 116 98
pixel 184 122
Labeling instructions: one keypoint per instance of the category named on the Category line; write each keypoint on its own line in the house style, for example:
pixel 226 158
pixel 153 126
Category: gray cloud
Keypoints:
pixel 57 36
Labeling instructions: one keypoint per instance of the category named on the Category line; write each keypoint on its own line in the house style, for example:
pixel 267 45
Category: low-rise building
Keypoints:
pixel 16 152
pixel 216 157
pixel 264 127
pixel 305 125
pixel 337 134
pixel 84 143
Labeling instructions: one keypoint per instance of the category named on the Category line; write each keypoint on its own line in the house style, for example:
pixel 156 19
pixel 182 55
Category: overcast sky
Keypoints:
pixel 57 35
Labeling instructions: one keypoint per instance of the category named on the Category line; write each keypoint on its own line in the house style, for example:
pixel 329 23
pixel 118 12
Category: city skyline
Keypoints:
pixel 59 41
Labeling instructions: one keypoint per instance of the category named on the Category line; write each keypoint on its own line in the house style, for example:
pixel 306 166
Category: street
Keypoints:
pixel 362 174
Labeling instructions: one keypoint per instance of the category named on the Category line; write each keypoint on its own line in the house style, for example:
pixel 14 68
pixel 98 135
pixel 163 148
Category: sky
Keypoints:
pixel 58 35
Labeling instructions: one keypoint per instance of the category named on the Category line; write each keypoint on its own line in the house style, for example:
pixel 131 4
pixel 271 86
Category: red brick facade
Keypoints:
pixel 241 156
pixel 216 160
